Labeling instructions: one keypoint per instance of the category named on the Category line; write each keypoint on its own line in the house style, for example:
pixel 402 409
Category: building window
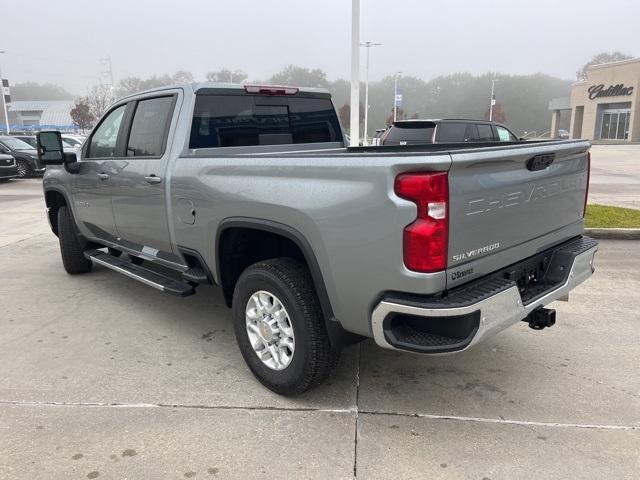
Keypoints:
pixel 615 126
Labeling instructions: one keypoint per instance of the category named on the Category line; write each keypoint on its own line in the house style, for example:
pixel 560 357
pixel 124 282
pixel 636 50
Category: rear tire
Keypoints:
pixel 313 357
pixel 72 244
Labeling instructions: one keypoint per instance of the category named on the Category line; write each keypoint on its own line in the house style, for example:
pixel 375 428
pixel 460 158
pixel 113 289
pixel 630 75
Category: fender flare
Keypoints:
pixel 337 335
pixel 66 199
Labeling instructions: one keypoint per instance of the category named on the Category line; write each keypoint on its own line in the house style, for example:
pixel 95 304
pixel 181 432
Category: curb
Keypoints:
pixel 613 233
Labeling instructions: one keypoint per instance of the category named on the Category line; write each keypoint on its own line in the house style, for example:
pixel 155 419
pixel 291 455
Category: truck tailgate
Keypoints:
pixel 508 203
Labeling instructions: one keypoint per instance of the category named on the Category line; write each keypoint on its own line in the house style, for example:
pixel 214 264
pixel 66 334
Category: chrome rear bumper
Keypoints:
pixel 495 312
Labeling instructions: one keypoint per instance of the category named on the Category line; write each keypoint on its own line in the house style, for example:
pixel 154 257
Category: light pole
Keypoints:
pixel 368 46
pixel 231 74
pixel 493 98
pixel 395 95
pixel 354 121
pixel 4 103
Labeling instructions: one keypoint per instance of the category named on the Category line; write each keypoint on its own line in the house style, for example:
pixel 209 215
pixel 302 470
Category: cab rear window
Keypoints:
pixel 251 120
pixel 410 134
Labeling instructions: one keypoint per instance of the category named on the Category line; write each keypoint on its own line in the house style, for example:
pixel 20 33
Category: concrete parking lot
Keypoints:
pixel 615 175
pixel 102 377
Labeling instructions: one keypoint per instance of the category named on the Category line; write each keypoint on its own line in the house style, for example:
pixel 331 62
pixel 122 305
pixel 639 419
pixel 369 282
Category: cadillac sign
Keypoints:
pixel 597 91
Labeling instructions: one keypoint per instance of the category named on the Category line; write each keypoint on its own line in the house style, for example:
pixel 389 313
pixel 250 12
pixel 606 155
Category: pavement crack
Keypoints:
pixel 502 421
pixel 355 436
pixel 173 405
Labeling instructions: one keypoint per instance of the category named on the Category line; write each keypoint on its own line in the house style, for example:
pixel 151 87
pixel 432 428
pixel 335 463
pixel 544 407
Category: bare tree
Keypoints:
pixel 182 76
pixel 227 76
pixel 99 98
pixel 604 57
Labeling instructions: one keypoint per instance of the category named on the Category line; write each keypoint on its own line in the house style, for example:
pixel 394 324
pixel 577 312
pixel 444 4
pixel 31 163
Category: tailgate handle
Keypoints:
pixel 540 162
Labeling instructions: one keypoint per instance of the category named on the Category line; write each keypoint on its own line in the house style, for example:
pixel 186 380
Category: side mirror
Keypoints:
pixel 50 150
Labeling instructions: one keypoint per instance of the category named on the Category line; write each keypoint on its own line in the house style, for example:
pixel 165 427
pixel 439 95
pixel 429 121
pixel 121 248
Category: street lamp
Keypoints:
pixel 395 95
pixel 354 121
pixel 4 103
pixel 493 98
pixel 368 46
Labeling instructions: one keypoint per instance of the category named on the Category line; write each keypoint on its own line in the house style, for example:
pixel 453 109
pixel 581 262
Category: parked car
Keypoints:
pixel 8 167
pixel 73 140
pixel 26 156
pixel 420 132
pixel 427 250
pixel 563 134
pixel 32 140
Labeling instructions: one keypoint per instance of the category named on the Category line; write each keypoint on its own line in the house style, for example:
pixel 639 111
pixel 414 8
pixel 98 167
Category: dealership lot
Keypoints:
pixel 102 377
pixel 615 175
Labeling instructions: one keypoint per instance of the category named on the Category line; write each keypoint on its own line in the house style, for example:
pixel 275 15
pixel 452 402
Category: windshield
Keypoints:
pixel 16 143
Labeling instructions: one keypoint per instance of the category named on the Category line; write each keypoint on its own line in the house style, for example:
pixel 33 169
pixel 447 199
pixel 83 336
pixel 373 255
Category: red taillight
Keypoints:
pixel 425 240
pixel 270 89
pixel 586 193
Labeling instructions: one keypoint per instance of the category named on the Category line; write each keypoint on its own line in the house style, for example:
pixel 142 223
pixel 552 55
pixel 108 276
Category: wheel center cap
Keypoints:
pixel 266 330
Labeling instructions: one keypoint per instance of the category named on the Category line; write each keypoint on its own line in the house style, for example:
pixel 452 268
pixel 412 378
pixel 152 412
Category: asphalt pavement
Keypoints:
pixel 103 377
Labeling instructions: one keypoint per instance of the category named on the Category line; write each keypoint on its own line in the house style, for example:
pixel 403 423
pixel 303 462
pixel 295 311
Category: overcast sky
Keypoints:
pixel 62 41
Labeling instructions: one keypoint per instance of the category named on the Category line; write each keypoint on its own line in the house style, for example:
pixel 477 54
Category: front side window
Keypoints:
pixel 104 139
pixel 246 120
pixel 149 127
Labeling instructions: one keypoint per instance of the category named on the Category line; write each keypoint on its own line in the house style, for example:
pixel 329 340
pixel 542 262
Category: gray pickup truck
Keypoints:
pixel 426 249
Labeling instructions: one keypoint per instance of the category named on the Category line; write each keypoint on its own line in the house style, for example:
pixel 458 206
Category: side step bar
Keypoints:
pixel 141 274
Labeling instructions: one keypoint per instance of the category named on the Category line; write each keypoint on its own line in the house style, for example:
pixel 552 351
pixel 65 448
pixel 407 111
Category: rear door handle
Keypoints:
pixel 152 179
pixel 103 176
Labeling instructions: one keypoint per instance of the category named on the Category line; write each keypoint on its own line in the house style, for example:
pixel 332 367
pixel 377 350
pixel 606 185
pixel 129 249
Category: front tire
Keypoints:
pixel 280 328
pixel 24 170
pixel 72 244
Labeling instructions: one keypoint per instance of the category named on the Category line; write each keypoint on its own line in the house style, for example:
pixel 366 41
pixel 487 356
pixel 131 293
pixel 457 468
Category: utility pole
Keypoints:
pixel 493 98
pixel 368 46
pixel 106 62
pixel 395 95
pixel 354 124
pixel 4 103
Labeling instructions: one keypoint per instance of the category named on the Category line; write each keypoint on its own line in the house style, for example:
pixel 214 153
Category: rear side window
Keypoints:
pixel 246 120
pixel 149 127
pixel 451 132
pixel 408 134
pixel 505 135
pixel 485 132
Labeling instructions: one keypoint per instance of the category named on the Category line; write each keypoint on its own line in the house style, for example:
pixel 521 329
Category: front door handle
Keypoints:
pixel 152 179
pixel 103 176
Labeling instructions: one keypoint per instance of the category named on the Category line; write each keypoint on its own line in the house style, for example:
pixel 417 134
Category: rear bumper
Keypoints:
pixel 482 308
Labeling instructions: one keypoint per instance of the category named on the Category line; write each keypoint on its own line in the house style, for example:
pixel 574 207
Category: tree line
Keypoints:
pixel 521 100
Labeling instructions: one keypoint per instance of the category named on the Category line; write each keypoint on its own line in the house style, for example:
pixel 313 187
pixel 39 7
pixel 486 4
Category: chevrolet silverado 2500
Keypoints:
pixel 427 249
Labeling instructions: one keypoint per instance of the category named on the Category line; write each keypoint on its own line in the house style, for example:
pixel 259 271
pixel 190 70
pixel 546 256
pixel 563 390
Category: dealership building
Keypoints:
pixel 605 106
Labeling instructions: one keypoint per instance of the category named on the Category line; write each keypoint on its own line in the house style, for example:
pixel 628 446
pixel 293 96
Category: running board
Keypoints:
pixel 144 275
